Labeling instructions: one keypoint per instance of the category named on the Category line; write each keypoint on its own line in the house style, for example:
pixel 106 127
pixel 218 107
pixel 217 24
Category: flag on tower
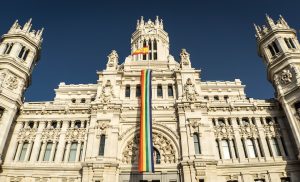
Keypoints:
pixel 143 50
pixel 146 145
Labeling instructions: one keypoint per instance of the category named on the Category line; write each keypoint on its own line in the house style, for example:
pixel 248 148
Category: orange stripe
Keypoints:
pixel 141 161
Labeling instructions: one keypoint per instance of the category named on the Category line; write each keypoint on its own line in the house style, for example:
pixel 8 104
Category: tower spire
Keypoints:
pixel 270 21
pixel 27 25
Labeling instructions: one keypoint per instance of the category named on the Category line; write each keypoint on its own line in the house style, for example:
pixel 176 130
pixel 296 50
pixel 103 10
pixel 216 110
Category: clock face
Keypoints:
pixel 150 31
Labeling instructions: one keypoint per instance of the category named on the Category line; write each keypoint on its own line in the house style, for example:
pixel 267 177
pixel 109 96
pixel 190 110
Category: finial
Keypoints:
pixel 283 22
pixel 157 21
pixel 14 25
pixel 161 24
pixel 270 21
pixel 40 33
pixel 257 29
pixel 142 21
pixel 137 24
pixel 27 25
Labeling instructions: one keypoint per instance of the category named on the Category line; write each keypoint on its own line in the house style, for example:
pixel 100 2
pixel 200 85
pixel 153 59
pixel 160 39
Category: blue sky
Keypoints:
pixel 79 35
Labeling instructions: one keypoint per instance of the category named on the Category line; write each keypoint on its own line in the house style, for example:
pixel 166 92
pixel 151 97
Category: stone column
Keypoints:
pixel 28 152
pixel 43 150
pixel 183 138
pixel 14 143
pixel 66 158
pixel 262 137
pixel 270 146
pixel 286 138
pixel 52 151
pixel 257 148
pixel 237 139
pixel 37 142
pixel 220 148
pixel 78 151
pixel 15 49
pixel 20 145
pixel 245 147
pixel 232 150
pixel 61 145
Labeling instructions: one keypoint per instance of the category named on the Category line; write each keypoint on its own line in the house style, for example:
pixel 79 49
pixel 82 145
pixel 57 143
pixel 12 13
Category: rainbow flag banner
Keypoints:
pixel 146 146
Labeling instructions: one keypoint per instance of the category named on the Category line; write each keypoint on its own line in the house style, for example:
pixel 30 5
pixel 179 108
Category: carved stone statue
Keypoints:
pixel 12 82
pixel 286 76
pixel 184 57
pixel 190 92
pixel 107 92
pixel 113 59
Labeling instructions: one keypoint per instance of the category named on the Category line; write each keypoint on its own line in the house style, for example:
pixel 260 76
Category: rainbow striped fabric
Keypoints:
pixel 146 146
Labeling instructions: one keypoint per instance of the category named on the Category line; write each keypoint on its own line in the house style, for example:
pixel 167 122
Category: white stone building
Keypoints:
pixel 203 131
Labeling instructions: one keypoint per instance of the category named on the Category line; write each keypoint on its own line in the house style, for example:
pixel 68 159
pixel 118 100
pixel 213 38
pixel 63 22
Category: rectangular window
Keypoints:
pixel 138 91
pixel 127 91
pixel 251 148
pixel 47 151
pixel 23 151
pixel 218 149
pixel 260 148
pixel 196 143
pixel 73 149
pixel 170 91
pixel 81 152
pixel 275 147
pixel 159 91
pixel 102 145
pixel 225 148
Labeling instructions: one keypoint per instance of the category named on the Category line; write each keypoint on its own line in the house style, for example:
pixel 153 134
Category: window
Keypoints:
pixel 197 143
pixel 273 48
pixel 82 100
pixel 23 151
pixel 156 156
pixel 274 45
pixel 260 148
pixel 77 124
pixel 250 148
pixel 285 179
pixel 138 91
pixel 155 49
pixel 31 124
pixel 21 52
pixel 170 91
pixel 245 121
pixel 102 145
pixel 284 146
pixel 127 91
pixel 218 149
pixel 225 148
pixel 150 49
pixel 81 152
pixel 25 55
pixel 226 97
pixel 93 99
pixel 144 45
pixel 53 124
pixel 159 91
pixel 206 97
pixel 275 147
pixel 201 180
pixel 216 97
pixel 73 149
pixel 8 48
pixel 1 112
pixel 221 122
pixel 259 180
pixel 73 100
pixel 48 151
pixel 289 42
pixel 269 121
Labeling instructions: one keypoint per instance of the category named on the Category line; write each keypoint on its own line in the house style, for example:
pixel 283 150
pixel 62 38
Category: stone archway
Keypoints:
pixel 160 142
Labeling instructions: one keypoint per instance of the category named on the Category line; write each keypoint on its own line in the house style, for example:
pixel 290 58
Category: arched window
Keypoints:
pixel 21 52
pixel 159 90
pixel 102 145
pixel 221 121
pixel 150 49
pixel 155 49
pixel 127 91
pixel 274 45
pixel 8 49
pixel 275 147
pixel 53 124
pixel 31 124
pixel 77 124
pixel 26 54
pixel 73 149
pixel 23 151
pixel 48 151
pixel 144 45
pixel 156 156
pixel 245 121
pixel 271 50
pixel 196 143
pixel 225 148
pixel 292 43
pixel 82 100
pixel 138 90
pixel 170 91
pixel 73 100
pixel 251 148
pixel 287 43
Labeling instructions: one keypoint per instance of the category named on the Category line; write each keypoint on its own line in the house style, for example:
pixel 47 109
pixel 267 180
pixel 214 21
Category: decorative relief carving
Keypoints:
pixel 190 94
pixel 27 134
pixel 12 82
pixel 286 76
pixel 50 134
pixel 160 142
pixel 248 131
pixel 75 134
pixel 107 93
pixel 271 130
pixel 2 77
pixel 194 125
pixel 101 127
pixel 224 131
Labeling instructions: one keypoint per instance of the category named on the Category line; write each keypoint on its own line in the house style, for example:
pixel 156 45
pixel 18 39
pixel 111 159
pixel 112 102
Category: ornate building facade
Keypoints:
pixel 203 131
